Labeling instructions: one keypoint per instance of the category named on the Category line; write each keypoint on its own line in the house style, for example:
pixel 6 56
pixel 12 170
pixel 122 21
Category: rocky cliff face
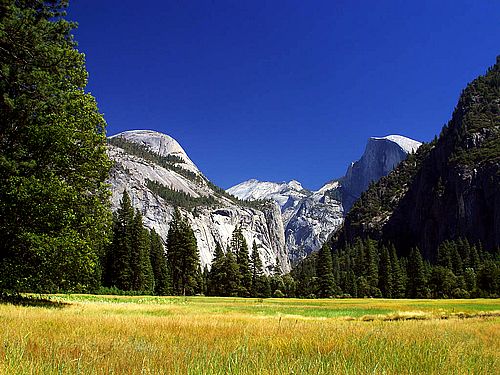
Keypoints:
pixel 312 221
pixel 381 156
pixel 310 217
pixel 450 190
pixel 135 169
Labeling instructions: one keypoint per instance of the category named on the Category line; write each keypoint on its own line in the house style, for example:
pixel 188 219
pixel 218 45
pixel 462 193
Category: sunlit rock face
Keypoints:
pixel 211 223
pixel 310 217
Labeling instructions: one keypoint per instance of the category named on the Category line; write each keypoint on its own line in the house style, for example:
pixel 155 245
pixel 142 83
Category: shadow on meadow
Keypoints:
pixel 32 301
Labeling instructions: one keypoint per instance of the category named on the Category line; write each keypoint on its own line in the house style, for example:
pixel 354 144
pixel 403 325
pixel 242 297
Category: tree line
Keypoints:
pixel 369 268
pixel 136 261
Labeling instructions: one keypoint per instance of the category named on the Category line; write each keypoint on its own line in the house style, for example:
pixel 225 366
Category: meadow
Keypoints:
pixel 89 334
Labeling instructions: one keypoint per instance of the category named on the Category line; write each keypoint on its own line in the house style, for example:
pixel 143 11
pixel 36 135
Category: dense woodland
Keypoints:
pixel 369 269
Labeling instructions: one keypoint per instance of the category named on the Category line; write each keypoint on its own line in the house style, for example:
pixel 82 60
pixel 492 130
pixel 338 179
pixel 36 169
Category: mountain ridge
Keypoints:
pixel 451 188
pixel 310 217
pixel 156 183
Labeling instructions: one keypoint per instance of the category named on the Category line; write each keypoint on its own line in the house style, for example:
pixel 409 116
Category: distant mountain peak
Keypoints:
pixel 254 189
pixel 159 143
pixel 407 144
pixel 295 185
pixel 310 217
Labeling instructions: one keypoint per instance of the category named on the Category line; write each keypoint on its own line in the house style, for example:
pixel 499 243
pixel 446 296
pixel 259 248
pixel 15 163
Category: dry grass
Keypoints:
pixel 99 335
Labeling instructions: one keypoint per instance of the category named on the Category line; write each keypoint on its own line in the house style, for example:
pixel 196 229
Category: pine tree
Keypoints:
pixel 140 262
pixel 371 265
pixel 456 260
pixel 217 275
pixel 232 280
pixel 398 284
pixel 54 203
pixel 470 279
pixel 159 265
pixel 385 273
pixel 118 258
pixel 444 255
pixel 258 283
pixel 183 258
pixel 326 281
pixel 240 248
pixel 464 249
pixel 417 283
pixel 351 285
pixel 359 261
pixel 336 268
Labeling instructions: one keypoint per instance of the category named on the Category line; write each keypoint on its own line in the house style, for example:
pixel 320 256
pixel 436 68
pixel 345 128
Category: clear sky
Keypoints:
pixel 279 90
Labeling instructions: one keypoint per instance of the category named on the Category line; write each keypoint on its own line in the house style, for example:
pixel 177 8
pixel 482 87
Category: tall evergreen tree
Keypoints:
pixel 159 264
pixel 351 284
pixel 258 285
pixel 417 282
pixel 232 279
pixel 385 273
pixel 118 258
pixel 326 281
pixel 398 282
pixel 140 263
pixel 183 258
pixel 217 274
pixel 54 208
pixel 240 248
pixel 371 264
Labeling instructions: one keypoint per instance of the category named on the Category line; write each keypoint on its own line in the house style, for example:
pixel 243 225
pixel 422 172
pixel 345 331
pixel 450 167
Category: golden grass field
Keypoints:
pixel 85 334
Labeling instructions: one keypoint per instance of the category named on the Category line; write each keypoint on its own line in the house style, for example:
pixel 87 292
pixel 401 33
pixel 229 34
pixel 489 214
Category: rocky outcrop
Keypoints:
pixel 312 221
pixel 450 191
pixel 310 217
pixel 381 156
pixel 214 222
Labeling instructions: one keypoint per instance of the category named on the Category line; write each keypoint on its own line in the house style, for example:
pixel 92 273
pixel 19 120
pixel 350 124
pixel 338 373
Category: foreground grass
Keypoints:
pixel 151 335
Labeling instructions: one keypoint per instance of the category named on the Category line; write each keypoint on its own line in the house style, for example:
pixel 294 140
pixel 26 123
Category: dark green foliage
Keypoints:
pixel 128 260
pixel 386 282
pixel 54 211
pixel 417 280
pixel 179 198
pixel 217 274
pixel 159 265
pixel 260 285
pixel 324 273
pixel 232 276
pixel 488 278
pixel 140 262
pixel 371 266
pixel 305 275
pixel 118 267
pixel 442 282
pixel 240 248
pixel 410 277
pixel 479 103
pixel 398 280
pixel 183 258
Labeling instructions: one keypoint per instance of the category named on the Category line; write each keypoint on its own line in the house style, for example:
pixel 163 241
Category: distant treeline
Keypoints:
pixel 136 262
pixel 370 269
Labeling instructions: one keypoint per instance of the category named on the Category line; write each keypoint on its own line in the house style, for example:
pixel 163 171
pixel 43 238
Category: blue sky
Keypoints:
pixel 280 90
